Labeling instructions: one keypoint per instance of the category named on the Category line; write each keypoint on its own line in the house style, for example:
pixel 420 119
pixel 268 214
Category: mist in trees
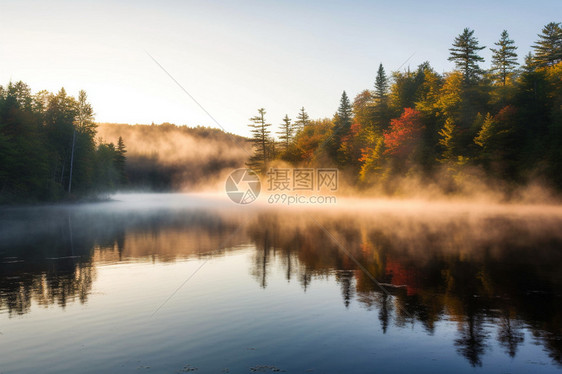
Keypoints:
pixel 48 149
pixel 500 125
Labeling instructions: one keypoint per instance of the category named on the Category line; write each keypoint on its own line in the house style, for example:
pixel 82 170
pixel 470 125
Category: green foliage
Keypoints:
pixel 381 84
pixel 286 132
pixel 548 49
pixel 382 113
pixel 39 137
pixel 504 58
pixel 424 122
pixel 120 160
pixel 264 147
pixel 464 54
pixel 342 125
pixel 302 120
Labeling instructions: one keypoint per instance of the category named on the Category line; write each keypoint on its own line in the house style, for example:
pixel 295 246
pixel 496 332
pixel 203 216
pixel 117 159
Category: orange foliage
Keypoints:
pixel 404 133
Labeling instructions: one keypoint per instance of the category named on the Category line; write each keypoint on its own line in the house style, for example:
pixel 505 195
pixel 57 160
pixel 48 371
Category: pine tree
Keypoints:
pixel 548 49
pixel 262 143
pixel 286 132
pixel 120 160
pixel 302 120
pixel 529 65
pixel 84 121
pixel 342 125
pixel 381 84
pixel 343 117
pixel 381 112
pixel 464 53
pixel 345 111
pixel 504 58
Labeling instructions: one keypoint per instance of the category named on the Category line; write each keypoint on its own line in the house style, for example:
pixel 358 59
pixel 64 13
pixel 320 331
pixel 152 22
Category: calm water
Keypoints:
pixel 173 284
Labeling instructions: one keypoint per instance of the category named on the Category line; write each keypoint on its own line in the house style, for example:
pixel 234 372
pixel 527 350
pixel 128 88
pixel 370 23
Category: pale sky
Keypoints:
pixel 237 56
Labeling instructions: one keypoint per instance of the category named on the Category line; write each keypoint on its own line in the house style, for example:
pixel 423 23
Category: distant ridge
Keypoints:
pixel 167 157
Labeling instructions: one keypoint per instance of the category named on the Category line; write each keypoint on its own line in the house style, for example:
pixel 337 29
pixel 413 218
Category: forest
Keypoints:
pixel 499 126
pixel 49 150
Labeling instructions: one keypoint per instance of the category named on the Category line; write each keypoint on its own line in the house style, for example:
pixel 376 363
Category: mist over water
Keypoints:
pixel 458 285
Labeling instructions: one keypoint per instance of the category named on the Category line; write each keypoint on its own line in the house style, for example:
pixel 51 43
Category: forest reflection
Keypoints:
pixel 494 276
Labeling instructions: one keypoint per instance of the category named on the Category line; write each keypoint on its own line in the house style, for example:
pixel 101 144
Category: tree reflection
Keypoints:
pixel 460 270
pixel 49 256
pixel 510 335
pixel 477 273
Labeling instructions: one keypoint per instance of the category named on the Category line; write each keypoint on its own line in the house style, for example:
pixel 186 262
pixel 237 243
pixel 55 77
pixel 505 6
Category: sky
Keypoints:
pixel 234 57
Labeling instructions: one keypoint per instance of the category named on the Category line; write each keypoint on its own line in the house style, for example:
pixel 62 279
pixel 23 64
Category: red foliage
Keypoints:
pixel 350 143
pixel 506 114
pixel 404 133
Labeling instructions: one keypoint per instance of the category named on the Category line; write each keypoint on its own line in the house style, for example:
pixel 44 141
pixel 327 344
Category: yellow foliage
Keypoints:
pixel 450 95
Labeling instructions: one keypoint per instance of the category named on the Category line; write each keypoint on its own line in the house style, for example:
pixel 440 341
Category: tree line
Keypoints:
pixel 503 123
pixel 48 149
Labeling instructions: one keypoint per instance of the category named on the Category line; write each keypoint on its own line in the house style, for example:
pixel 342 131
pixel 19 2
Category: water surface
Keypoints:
pixel 181 283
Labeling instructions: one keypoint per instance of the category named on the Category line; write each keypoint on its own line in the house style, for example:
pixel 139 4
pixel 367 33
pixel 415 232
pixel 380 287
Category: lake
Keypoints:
pixel 171 283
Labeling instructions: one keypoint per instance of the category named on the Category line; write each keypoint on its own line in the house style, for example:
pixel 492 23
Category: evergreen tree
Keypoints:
pixel 286 132
pixel 262 142
pixel 302 120
pixel 84 121
pixel 342 125
pixel 381 84
pixel 38 134
pixel 345 111
pixel 120 160
pixel 548 49
pixel 464 54
pixel 381 112
pixel 529 65
pixel 504 58
pixel 83 152
pixel 59 124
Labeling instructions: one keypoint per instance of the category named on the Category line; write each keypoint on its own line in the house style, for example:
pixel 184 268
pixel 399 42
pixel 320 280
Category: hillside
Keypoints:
pixel 165 157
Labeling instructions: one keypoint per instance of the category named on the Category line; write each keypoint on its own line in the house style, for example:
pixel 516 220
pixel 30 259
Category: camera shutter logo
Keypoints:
pixel 243 186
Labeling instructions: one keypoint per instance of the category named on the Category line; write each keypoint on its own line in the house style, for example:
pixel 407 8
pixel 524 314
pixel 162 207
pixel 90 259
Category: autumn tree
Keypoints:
pixel 504 58
pixel 404 134
pixel 351 144
pixel 447 141
pixel 497 142
pixel 309 140
pixel 372 159
pixel 429 90
pixel 464 54
pixel 363 108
